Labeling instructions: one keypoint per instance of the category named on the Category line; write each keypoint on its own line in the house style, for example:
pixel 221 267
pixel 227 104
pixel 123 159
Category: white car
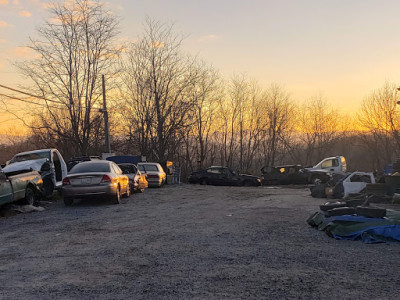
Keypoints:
pixel 156 177
pixel 48 162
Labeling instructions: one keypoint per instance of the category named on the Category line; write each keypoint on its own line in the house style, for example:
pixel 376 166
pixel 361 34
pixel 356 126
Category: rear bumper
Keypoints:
pixel 87 191
pixel 155 182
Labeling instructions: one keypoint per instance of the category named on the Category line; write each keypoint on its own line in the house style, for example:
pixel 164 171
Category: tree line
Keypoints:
pixel 166 104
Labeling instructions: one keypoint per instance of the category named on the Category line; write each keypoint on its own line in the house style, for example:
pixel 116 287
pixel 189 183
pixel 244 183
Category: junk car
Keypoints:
pixel 217 175
pixel 22 185
pixel 48 162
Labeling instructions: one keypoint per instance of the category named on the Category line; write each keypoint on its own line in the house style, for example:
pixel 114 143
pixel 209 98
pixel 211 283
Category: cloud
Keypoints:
pixel 25 13
pixel 2 41
pixel 23 52
pixel 1 65
pixel 4 24
pixel 208 38
pixel 40 4
pixel 3 2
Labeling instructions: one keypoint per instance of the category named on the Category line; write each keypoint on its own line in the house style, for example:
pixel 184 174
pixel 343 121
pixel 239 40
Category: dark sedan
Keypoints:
pixel 223 176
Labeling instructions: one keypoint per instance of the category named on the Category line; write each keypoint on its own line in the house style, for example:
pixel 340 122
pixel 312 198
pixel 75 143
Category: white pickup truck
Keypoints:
pixel 326 167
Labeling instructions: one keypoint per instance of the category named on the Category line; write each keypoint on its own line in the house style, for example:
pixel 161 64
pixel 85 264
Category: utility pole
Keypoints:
pixel 105 112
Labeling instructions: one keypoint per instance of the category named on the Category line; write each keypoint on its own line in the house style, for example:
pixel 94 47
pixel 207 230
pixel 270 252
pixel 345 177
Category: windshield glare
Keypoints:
pixel 31 156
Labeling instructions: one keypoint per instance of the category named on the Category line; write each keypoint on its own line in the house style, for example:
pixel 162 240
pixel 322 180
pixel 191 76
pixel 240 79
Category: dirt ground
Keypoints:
pixel 190 242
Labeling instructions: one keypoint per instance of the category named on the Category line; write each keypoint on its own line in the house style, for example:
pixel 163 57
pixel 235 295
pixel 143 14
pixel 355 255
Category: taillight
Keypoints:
pixel 65 181
pixel 106 178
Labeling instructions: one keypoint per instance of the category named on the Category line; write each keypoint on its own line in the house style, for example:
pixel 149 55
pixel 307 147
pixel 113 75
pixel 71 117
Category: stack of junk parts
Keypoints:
pixel 370 215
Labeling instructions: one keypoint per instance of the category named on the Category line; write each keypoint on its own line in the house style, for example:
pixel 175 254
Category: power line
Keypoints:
pixel 28 94
pixel 23 100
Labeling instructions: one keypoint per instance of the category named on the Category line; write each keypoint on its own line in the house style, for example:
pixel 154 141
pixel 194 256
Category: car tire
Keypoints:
pixel 30 197
pixel 141 190
pixel 371 212
pixel 68 201
pixel 116 199
pixel 316 180
pixel 340 211
pixel 332 205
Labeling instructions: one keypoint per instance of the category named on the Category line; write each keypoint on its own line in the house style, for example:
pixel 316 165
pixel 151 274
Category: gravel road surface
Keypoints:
pixel 190 242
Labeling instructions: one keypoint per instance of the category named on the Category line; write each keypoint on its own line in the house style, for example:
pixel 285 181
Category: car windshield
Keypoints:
pixel 147 168
pixel 31 156
pixel 91 167
pixel 128 169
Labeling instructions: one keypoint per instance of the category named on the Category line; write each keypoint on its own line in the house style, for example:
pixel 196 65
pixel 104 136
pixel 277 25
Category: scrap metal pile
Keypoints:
pixel 357 217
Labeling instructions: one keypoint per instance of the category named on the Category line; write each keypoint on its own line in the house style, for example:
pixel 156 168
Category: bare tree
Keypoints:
pixel 319 127
pixel 160 80
pixel 206 93
pixel 73 50
pixel 379 116
pixel 279 115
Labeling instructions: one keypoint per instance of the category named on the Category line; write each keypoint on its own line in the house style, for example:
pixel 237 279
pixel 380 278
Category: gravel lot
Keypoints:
pixel 189 242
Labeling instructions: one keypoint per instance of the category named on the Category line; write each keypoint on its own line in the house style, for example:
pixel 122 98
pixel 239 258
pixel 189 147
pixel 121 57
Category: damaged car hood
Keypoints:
pixel 35 165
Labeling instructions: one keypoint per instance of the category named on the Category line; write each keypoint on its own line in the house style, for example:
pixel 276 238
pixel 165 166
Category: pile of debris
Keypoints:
pixel 358 218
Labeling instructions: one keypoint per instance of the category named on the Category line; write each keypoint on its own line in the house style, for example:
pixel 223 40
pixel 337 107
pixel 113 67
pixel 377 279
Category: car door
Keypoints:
pixel 6 195
pixel 214 176
pixel 356 182
pixel 330 164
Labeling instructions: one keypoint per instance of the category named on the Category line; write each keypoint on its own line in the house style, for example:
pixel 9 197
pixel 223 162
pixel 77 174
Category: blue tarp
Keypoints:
pixel 353 227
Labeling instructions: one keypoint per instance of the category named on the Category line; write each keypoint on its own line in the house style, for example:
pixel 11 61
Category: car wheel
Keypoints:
pixel 371 212
pixel 141 190
pixel 117 197
pixel 316 180
pixel 68 201
pixel 203 181
pixel 30 197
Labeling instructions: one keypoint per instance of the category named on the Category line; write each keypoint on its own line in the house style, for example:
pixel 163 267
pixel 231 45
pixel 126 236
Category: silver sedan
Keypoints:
pixel 95 178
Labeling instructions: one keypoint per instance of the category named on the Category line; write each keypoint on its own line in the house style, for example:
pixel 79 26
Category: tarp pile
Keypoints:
pixel 356 226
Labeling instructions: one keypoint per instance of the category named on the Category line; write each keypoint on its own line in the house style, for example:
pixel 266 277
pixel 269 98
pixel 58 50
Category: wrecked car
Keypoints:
pixel 292 174
pixel 343 186
pixel 137 180
pixel 48 162
pixel 217 175
pixel 22 185
pixel 285 174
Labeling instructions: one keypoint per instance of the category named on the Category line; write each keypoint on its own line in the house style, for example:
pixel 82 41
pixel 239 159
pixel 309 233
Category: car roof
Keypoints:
pixel 89 162
pixel 35 151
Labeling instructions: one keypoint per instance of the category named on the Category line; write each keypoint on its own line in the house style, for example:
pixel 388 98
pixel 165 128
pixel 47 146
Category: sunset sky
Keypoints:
pixel 340 49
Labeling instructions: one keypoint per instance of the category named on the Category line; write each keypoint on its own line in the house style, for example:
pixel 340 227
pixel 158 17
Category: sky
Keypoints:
pixel 340 49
